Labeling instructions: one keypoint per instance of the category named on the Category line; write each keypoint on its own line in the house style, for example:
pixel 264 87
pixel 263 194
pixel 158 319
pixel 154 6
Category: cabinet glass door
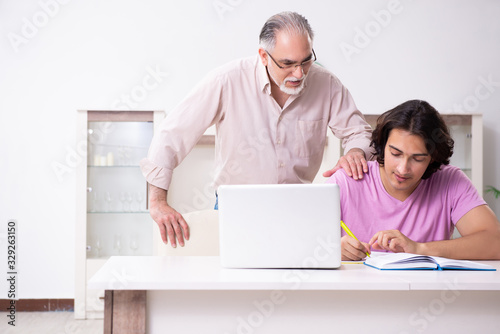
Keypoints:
pixel 462 135
pixel 118 222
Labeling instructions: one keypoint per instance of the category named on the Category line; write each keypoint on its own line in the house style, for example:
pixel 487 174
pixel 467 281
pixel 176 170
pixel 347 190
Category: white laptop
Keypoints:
pixel 279 226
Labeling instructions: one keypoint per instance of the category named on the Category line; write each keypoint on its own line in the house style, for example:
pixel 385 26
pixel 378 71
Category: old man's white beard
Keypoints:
pixel 287 90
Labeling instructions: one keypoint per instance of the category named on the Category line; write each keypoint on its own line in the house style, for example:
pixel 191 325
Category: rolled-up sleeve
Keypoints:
pixel 156 175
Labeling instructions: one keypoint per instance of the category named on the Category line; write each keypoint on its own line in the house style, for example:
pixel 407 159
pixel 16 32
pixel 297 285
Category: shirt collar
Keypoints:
pixel 263 77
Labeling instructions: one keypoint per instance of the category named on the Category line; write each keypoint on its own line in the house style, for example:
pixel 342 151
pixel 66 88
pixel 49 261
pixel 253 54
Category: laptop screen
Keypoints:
pixel 279 226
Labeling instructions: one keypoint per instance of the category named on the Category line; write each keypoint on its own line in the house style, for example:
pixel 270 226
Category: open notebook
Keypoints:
pixel 408 261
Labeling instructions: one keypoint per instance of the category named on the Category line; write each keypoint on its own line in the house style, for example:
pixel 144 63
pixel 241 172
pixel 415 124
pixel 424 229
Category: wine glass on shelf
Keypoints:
pixel 117 243
pixel 94 205
pixel 123 200
pixel 98 246
pixel 109 199
pixel 134 243
pixel 139 198
pixel 128 196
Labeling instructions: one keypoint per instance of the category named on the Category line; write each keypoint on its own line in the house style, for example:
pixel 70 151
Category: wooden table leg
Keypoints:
pixel 125 311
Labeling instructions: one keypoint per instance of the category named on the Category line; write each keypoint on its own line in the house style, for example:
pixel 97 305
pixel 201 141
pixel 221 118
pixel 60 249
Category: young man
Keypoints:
pixel 271 113
pixel 411 199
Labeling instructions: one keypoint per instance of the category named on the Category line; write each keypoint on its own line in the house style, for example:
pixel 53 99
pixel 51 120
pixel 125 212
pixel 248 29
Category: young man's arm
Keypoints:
pixel 480 230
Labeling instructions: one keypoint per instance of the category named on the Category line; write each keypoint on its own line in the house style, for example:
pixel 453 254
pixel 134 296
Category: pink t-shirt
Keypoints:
pixel 428 214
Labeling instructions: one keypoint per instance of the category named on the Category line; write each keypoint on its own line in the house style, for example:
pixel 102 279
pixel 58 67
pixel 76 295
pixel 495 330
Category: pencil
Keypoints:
pixel 348 231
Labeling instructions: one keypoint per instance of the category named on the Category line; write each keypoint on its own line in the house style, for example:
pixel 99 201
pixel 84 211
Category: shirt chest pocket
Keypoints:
pixel 310 138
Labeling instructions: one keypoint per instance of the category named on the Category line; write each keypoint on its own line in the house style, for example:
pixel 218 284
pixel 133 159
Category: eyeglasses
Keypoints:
pixel 304 64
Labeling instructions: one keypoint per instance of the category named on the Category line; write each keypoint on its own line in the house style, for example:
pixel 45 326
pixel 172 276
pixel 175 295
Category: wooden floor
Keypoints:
pixel 49 323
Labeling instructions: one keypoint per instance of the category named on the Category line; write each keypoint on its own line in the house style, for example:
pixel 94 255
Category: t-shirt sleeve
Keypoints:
pixel 464 195
pixel 340 178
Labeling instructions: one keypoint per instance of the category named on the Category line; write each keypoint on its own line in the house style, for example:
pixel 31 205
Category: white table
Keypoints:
pixel 194 294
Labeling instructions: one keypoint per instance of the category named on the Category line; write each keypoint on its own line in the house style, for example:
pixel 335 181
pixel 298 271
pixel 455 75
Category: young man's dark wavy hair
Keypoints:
pixel 421 119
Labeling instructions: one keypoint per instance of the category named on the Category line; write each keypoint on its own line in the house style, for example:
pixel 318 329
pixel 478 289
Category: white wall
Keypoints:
pixel 90 54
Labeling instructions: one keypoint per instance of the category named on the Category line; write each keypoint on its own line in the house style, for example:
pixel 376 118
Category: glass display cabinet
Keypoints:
pixel 112 214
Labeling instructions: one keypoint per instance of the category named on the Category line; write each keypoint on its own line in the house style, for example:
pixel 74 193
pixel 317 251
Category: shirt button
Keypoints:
pixel 282 165
pixel 278 142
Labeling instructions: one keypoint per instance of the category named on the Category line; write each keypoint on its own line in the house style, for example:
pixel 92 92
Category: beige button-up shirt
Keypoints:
pixel 257 141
